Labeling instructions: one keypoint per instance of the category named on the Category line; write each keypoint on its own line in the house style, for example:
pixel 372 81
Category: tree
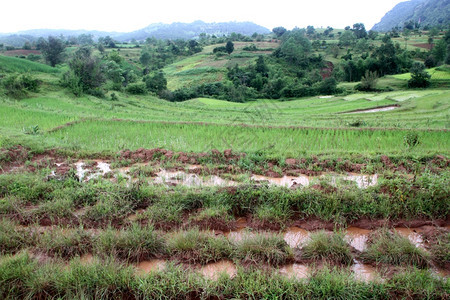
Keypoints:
pixel 53 50
pixel 86 39
pixel 440 51
pixel 310 30
pixel 372 34
pixel 194 46
pixel 419 77
pixel 155 83
pixel 347 38
pixel 261 66
pixel 145 58
pixel 101 48
pixel 295 47
pixel 86 72
pixel 229 47
pixel 406 34
pixel 279 31
pixel 359 30
pixel 328 31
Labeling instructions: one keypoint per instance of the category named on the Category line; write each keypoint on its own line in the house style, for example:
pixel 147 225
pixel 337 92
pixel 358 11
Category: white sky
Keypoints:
pixel 129 15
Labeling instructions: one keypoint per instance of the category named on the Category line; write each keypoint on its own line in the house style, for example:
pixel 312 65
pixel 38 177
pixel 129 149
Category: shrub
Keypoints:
pixel 17 86
pixel 368 82
pixel 137 88
pixel 411 139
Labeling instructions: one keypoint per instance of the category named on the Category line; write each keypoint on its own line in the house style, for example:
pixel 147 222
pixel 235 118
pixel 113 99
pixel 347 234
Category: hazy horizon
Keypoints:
pixel 106 16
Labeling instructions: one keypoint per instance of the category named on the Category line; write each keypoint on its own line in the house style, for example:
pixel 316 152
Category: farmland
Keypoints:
pixel 133 196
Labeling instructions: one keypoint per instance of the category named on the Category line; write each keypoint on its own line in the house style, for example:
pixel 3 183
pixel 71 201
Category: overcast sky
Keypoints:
pixel 129 15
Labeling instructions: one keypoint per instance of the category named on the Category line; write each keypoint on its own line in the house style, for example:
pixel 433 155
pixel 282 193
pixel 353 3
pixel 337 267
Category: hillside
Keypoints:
pixel 427 12
pixel 192 30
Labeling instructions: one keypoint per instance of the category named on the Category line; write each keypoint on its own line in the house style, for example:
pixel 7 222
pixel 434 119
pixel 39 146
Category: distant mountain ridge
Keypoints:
pixel 157 30
pixel 427 12
pixel 193 30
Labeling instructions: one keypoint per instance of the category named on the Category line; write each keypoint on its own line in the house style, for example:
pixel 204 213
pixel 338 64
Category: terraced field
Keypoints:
pixel 324 197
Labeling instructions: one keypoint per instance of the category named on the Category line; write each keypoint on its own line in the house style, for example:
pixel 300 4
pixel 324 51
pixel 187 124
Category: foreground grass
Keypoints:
pixel 23 277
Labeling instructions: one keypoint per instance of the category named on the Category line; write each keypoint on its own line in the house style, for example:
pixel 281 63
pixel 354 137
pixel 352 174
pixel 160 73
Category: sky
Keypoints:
pixel 130 15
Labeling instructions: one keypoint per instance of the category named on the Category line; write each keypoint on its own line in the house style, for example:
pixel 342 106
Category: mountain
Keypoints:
pixel 157 30
pixel 192 30
pixel 18 39
pixel 427 12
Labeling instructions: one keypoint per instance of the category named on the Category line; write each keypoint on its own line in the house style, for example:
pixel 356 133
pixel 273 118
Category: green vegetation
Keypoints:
pixel 263 248
pixel 13 64
pixel 129 153
pixel 21 275
pixel 391 248
pixel 331 248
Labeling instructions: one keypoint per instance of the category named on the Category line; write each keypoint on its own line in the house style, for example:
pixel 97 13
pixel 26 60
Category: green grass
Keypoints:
pixel 13 64
pixel 133 244
pixel 329 247
pixel 115 136
pixel 439 73
pixel 11 239
pixel 391 248
pixel 194 246
pixel 263 248
pixel 23 277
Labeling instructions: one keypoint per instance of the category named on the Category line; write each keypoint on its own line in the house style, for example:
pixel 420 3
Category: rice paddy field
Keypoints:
pixel 329 197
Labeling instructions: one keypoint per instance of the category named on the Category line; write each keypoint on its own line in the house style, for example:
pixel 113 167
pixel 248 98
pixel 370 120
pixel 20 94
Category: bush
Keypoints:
pixel 368 82
pixel 137 88
pixel 411 139
pixel 17 86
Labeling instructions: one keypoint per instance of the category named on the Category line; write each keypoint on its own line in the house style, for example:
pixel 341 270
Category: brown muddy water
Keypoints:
pixel 299 271
pixel 364 272
pixel 149 266
pixel 214 270
pixel 101 168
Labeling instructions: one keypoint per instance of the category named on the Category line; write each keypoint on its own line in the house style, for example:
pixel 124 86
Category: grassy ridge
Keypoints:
pixel 13 64
pixel 104 202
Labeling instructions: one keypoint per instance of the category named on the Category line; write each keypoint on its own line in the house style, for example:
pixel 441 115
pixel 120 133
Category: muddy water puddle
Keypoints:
pixel 183 178
pixel 374 110
pixel 298 271
pixel 361 180
pixel 412 234
pixel 87 259
pixel 98 168
pixel 149 266
pixel 86 173
pixel 364 272
pixel 296 236
pixel 214 270
pixel 287 181
pixel 357 237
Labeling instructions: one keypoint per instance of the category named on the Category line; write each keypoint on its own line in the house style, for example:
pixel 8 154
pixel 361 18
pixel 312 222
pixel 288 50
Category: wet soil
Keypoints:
pixel 292 172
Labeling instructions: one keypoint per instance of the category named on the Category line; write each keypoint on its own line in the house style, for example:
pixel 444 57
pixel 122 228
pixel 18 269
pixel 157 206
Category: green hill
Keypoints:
pixel 425 12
